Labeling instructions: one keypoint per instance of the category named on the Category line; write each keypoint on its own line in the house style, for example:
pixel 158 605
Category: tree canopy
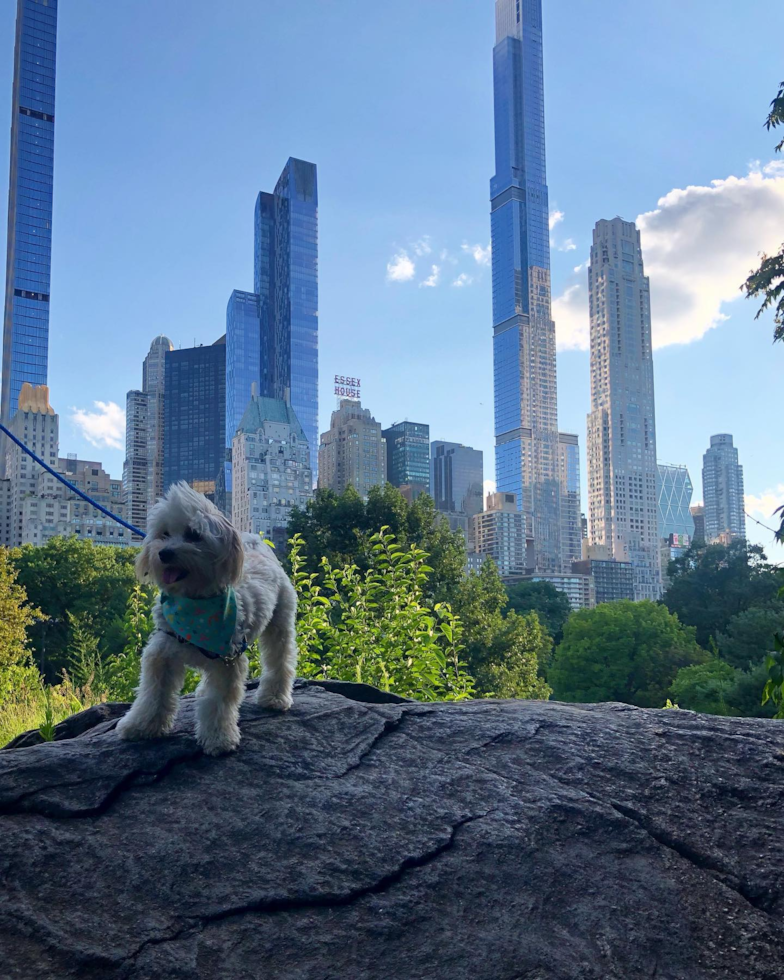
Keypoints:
pixel 622 651
pixel 711 584
pixel 551 606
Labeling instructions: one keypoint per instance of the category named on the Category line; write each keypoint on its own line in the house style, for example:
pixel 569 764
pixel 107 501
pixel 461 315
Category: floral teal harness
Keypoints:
pixel 206 624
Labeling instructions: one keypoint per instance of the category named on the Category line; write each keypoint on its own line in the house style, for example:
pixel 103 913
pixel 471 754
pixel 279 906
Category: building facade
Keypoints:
pixel 613 580
pixel 622 470
pixel 408 456
pixel 579 589
pixel 31 181
pixel 501 533
pixel 353 452
pixel 569 479
pixel 271 470
pixel 526 416
pixel 194 418
pixel 722 489
pixel 37 506
pixel 698 516
pixel 457 484
pixel 272 333
pixel 144 449
pixel 674 494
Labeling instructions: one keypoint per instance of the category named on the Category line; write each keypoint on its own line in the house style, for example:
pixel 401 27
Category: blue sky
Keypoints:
pixel 171 116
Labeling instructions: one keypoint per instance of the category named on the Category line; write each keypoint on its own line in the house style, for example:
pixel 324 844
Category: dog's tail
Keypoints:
pixel 255 542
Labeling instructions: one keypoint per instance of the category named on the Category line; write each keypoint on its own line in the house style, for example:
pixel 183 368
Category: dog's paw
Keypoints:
pixel 132 730
pixel 219 743
pixel 277 700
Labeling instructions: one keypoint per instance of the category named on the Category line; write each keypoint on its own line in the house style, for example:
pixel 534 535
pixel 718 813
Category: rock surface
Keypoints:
pixel 349 839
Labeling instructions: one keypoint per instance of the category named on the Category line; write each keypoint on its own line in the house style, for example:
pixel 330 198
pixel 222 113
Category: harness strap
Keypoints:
pixel 208 653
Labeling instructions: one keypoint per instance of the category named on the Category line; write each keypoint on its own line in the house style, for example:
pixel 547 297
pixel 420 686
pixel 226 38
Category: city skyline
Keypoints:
pixel 449 314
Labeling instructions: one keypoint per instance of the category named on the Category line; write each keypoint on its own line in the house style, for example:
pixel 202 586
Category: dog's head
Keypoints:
pixel 190 549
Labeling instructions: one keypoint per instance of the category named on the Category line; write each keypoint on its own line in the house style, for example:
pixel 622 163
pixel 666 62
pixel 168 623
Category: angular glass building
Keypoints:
pixel 408 455
pixel 526 418
pixel 272 333
pixel 29 249
pixel 194 418
pixel 457 478
pixel 675 490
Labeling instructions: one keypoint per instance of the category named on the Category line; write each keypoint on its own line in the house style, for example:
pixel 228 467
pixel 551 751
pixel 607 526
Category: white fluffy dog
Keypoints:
pixel 219 592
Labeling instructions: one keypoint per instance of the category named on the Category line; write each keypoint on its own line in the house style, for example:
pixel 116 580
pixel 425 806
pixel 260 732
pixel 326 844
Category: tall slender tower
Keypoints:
pixel 722 488
pixel 526 415
pixel 622 470
pixel 29 255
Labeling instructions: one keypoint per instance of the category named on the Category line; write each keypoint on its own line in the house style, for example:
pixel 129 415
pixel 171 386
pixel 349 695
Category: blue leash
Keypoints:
pixel 76 490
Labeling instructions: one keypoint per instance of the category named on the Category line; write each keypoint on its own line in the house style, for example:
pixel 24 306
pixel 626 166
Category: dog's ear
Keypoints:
pixel 233 558
pixel 143 562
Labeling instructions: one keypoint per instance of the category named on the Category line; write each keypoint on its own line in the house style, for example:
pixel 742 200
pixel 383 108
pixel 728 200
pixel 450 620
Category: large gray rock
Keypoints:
pixel 493 840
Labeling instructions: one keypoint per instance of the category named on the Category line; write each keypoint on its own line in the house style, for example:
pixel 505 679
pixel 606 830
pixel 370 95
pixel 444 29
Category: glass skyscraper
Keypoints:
pixel 194 416
pixel 272 333
pixel 526 418
pixel 722 488
pixel 408 455
pixel 675 490
pixel 29 255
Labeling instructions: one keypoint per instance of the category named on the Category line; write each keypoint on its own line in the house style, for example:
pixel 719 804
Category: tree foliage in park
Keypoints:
pixel 622 651
pixel 718 688
pixel 551 606
pixel 748 638
pixel 711 584
pixel 376 627
pixel 767 281
pixel 67 576
pixel 339 527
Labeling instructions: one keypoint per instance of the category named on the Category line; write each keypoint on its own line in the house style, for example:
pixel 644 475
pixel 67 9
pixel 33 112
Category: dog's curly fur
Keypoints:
pixel 207 555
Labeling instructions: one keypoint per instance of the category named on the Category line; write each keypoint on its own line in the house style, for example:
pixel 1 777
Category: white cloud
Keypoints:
pixel 481 255
pixel 104 428
pixel 400 268
pixel 555 218
pixel 566 246
pixel 763 505
pixel 422 247
pixel 432 279
pixel 463 280
pixel 698 246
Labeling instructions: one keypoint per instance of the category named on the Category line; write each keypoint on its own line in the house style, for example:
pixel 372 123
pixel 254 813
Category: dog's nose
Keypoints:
pixel 166 555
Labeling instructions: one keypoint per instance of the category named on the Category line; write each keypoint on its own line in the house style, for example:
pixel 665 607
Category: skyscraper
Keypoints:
pixel 675 490
pixel 408 456
pixel 457 478
pixel 29 248
pixel 569 476
pixel 353 452
pixel 143 467
pixel 722 488
pixel 272 333
pixel 272 475
pixel 622 470
pixel 526 417
pixel 194 417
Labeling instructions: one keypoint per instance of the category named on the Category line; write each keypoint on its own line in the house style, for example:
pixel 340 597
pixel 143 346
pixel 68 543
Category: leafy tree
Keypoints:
pixel 768 280
pixel 748 638
pixel 16 618
pixel 717 688
pixel 512 669
pixel 375 626
pixel 70 576
pixel 124 668
pixel 339 526
pixel 710 584
pixel 622 651
pixel 551 605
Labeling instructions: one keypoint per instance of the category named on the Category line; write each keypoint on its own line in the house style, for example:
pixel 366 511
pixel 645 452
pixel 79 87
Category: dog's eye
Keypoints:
pixel 192 536
pixel 164 534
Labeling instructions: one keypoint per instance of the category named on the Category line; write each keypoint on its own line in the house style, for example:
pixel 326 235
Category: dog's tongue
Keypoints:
pixel 170 575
